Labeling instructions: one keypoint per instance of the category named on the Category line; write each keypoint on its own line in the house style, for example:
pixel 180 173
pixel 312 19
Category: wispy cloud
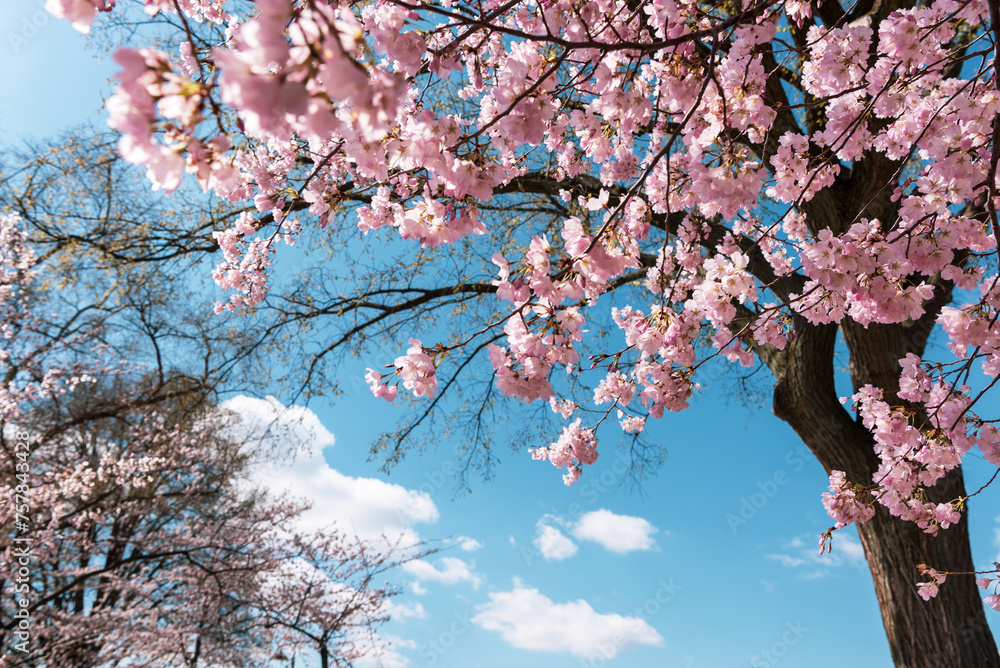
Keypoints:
pixel 467 544
pixel 802 553
pixel 405 610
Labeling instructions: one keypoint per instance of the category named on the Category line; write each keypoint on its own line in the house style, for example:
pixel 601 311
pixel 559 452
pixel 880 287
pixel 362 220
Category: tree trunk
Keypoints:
pixel 949 631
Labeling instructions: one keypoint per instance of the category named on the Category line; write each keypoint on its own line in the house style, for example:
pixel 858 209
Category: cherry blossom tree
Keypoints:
pixel 755 181
pixel 329 605
pixel 131 533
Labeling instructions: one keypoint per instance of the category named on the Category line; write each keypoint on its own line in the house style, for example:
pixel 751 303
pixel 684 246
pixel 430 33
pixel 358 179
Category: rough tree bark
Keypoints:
pixel 949 631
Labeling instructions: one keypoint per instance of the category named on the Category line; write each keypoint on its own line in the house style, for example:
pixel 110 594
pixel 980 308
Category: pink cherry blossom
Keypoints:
pixel 417 371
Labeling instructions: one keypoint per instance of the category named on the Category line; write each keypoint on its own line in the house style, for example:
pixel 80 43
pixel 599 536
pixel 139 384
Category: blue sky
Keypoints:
pixel 713 563
pixel 49 81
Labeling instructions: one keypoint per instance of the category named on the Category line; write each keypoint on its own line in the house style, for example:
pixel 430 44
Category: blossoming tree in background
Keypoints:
pixel 753 181
pixel 131 533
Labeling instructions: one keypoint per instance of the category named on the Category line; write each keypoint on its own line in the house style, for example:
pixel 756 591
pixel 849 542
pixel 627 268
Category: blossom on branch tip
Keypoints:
pixel 576 446
pixel 928 590
pixel 842 503
pixel 417 371
pixel 380 390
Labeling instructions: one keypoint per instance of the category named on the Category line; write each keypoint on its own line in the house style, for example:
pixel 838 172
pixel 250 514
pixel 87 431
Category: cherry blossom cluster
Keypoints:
pixel 149 90
pixel 914 458
pixel 80 13
pixel 865 274
pixel 416 369
pixel 917 446
pixel 664 341
pixel 156 449
pixel 911 459
pixel 993 600
pixel 246 261
pixel 576 446
pixel 16 259
pixel 973 327
pixel 846 503
pixel 929 590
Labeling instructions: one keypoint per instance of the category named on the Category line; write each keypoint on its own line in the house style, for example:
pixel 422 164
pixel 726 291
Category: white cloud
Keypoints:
pixel 368 506
pixel 553 544
pixel 851 548
pixel 386 658
pixel 468 544
pixel 270 422
pixel 617 533
pixel 404 610
pixel 529 620
pixel 384 654
pixel 452 571
pixel 786 560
